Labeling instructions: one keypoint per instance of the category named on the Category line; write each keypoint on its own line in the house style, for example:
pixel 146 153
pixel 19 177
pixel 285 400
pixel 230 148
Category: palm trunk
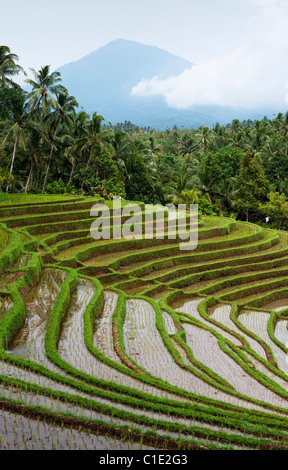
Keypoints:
pixel 72 169
pixel 50 158
pixel 88 161
pixel 48 168
pixel 28 179
pixel 13 159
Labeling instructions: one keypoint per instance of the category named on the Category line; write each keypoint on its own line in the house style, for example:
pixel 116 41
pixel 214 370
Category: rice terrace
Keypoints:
pixel 135 344
pixel 144 230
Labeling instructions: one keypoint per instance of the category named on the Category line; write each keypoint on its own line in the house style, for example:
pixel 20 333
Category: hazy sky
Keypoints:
pixel 60 31
pixel 252 75
pixel 237 44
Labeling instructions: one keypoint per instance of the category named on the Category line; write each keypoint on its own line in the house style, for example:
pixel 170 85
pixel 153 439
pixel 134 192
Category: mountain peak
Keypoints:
pixel 102 80
pixel 147 59
pixel 128 43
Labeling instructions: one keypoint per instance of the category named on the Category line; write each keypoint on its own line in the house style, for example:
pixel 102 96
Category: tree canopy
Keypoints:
pixel 48 144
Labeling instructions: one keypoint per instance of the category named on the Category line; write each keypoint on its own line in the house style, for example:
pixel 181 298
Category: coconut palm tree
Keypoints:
pixel 282 121
pixel 177 190
pixel 238 139
pixel 206 135
pixel 8 68
pixel 207 181
pixel 181 185
pixel 128 164
pixel 227 192
pixel 235 126
pixel 44 86
pixel 119 141
pixel 79 133
pixel 92 137
pixel 15 132
pixel 153 147
pixel 35 139
pixel 186 197
pixel 62 115
pixel 257 138
pixel 189 145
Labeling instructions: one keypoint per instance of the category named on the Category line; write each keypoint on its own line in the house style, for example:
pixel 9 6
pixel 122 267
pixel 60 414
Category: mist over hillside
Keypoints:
pixel 103 80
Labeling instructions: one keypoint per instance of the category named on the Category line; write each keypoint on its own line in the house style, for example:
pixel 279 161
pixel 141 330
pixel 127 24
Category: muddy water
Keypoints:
pixel 191 308
pixel 169 323
pixel 10 370
pixel 144 343
pixel 206 349
pixel 5 305
pixel 281 333
pixel 103 336
pixel 57 405
pixel 222 315
pixel 19 433
pixel 80 358
pixel 29 343
pixel 22 261
pixel 261 367
pixel 257 323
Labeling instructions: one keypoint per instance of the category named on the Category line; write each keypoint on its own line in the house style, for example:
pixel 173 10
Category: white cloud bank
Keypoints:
pixel 254 76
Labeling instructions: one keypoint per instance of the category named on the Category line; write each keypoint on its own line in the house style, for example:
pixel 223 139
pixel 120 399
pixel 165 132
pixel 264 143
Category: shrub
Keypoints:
pixel 105 188
pixel 207 208
pixel 2 196
pixel 59 187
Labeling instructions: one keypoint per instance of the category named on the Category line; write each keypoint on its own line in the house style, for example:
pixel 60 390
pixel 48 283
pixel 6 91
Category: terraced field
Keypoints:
pixel 128 344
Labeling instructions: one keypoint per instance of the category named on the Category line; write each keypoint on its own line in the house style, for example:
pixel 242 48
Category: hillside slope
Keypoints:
pixel 102 81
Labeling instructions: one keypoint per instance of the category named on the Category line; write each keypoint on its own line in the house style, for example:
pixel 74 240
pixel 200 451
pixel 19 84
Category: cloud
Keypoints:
pixel 254 76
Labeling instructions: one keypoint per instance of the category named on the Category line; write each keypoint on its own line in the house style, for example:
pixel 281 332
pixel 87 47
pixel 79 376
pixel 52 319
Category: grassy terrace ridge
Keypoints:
pixel 26 200
pixel 207 282
pixel 137 339
pixel 268 245
pixel 65 206
pixel 252 233
pixel 68 248
pixel 50 222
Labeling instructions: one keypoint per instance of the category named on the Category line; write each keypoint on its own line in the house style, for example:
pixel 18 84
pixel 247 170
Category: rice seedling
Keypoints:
pixel 127 372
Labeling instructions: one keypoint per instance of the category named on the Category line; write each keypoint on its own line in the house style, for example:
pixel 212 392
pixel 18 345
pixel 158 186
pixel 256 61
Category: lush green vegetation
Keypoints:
pixel 134 341
pixel 48 145
pixel 111 382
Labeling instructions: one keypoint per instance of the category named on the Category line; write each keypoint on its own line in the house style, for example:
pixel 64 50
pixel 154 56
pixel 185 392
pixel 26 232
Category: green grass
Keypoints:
pixel 19 199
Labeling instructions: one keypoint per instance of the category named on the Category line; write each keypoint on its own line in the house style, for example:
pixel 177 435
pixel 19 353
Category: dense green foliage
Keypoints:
pixel 48 145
